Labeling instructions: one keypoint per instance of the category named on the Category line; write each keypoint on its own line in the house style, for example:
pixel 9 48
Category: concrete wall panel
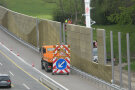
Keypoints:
pixel 81 53
pixel 101 48
pixel 3 12
pixel 24 27
pixel 49 32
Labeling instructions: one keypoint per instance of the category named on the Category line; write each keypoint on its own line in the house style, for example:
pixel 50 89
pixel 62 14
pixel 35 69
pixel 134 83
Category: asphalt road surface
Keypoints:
pixel 21 79
pixel 73 81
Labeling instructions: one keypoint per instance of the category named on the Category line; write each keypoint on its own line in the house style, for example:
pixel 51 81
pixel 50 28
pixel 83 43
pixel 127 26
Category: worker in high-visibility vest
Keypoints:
pixel 66 21
pixel 69 21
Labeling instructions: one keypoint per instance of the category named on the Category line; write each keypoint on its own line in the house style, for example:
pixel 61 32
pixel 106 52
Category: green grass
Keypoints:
pixel 36 8
pixel 132 66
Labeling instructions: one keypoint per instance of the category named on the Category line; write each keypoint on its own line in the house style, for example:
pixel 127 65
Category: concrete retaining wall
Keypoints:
pixel 81 52
pixel 49 32
pixel 24 27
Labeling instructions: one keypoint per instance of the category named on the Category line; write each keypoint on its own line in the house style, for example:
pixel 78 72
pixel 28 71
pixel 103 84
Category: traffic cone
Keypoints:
pixel 18 54
pixel 11 49
pixel 2 43
pixel 33 65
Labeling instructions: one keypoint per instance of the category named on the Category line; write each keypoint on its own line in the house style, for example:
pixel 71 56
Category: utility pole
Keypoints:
pixel 87 13
pixel 89 22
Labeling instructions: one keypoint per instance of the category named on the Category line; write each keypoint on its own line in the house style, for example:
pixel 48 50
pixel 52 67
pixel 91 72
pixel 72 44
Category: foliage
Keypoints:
pixel 132 66
pixel 69 9
pixel 104 12
pixel 124 17
pixel 2 3
pixel 103 9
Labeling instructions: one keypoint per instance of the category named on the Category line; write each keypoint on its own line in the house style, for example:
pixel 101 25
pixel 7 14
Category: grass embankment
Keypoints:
pixel 36 8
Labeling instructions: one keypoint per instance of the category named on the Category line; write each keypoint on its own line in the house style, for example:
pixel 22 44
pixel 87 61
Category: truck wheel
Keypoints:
pixel 9 86
pixel 42 66
pixel 46 67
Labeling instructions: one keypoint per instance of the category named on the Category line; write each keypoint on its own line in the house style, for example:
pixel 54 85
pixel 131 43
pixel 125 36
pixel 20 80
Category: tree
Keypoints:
pixel 3 3
pixel 69 9
pixel 124 14
pixel 103 12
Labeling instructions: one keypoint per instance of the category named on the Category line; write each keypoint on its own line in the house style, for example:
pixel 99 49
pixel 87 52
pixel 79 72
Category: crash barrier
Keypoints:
pixel 50 84
pixel 35 31
pixel 103 85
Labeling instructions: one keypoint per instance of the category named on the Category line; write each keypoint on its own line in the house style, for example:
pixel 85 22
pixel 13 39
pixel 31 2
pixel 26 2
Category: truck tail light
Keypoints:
pixel 8 81
pixel 49 66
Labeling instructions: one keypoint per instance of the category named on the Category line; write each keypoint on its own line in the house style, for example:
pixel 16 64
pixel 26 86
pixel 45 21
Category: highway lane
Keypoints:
pixel 73 81
pixel 21 79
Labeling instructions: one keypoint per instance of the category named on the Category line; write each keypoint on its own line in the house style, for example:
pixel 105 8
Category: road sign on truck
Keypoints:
pixel 56 58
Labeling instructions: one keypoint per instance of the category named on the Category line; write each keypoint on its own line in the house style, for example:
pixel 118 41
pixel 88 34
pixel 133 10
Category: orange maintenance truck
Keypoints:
pixel 47 57
pixel 56 58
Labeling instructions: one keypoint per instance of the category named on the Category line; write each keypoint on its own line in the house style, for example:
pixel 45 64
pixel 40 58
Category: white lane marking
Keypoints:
pixel 26 86
pixel 11 73
pixel 34 68
pixel 1 64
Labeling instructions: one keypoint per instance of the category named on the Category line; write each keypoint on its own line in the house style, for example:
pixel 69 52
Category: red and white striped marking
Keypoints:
pixel 66 53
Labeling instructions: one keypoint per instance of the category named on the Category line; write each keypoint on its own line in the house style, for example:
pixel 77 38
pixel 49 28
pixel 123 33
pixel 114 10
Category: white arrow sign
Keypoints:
pixel 60 65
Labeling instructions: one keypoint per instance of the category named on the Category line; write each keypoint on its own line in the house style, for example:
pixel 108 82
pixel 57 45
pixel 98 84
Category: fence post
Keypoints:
pixel 111 41
pixel 101 46
pixel 37 30
pixel 60 33
pixel 64 34
pixel 91 34
pixel 128 58
pixel 105 54
pixel 120 68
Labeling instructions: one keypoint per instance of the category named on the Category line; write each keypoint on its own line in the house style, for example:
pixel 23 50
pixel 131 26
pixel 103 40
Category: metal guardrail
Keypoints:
pixel 98 81
pixel 57 87
pixel 50 84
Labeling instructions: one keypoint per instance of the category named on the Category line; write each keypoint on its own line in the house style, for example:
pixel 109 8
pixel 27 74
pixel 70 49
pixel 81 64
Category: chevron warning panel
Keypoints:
pixel 61 60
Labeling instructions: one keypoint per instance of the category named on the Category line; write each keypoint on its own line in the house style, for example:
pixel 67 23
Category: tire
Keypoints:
pixel 40 50
pixel 42 66
pixel 52 73
pixel 9 86
pixel 46 67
